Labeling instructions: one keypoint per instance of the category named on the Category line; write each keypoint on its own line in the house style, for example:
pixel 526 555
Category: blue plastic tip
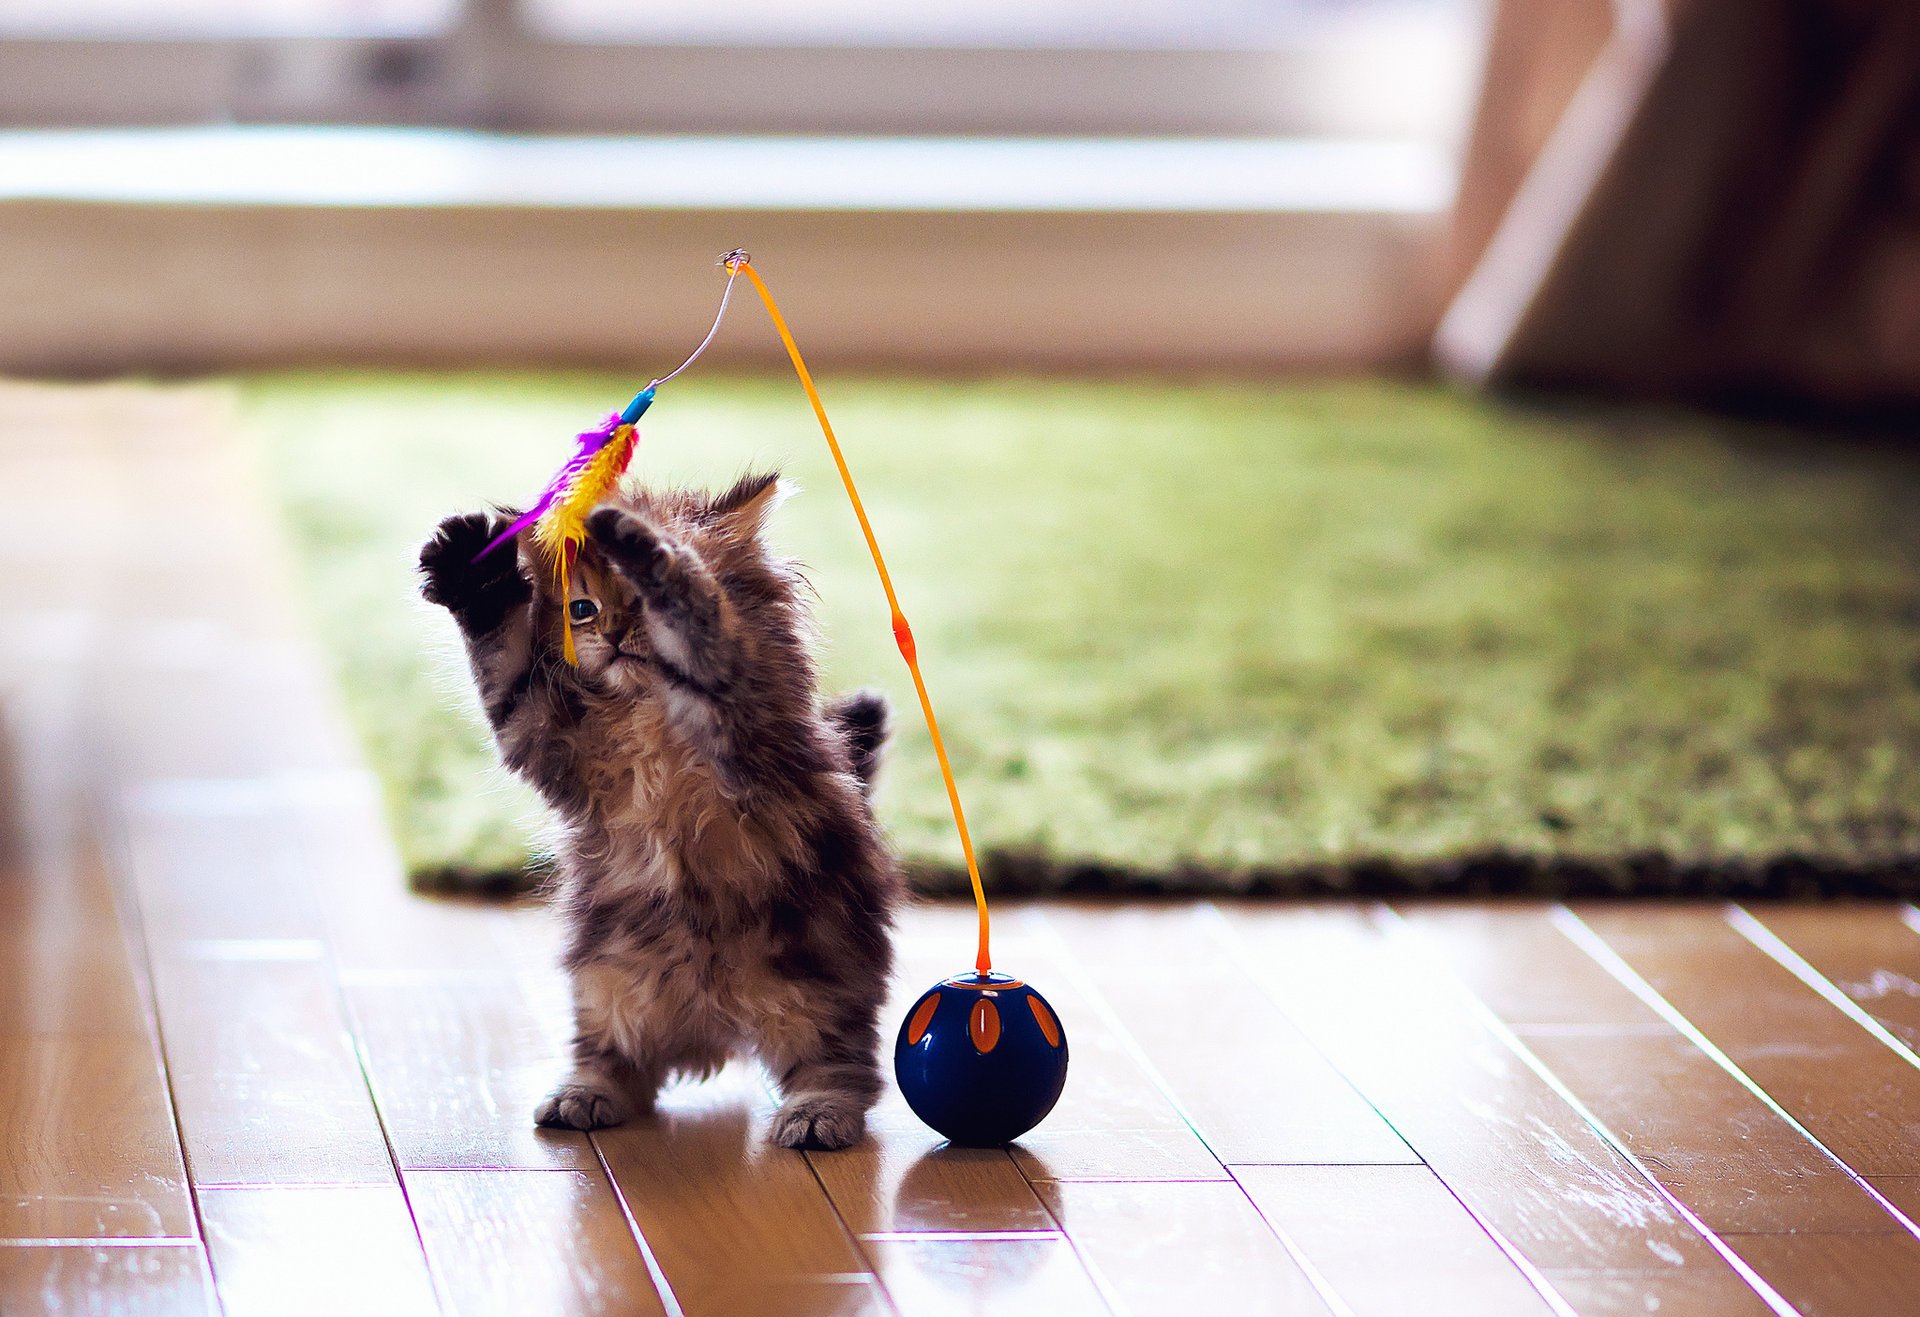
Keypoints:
pixel 641 401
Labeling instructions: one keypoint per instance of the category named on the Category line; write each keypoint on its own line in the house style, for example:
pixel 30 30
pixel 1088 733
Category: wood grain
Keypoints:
pixel 121 1281
pixel 1172 1247
pixel 1870 952
pixel 265 1077
pixel 1390 1240
pixel 1837 1275
pixel 288 1251
pixel 1252 1084
pixel 1524 969
pixel 457 1070
pixel 212 861
pixel 1714 1145
pixel 1498 1135
pixel 1850 1091
pixel 1032 1273
pixel 1694 1292
pixel 69 965
pixel 735 1224
pixel 520 1243
pixel 90 1150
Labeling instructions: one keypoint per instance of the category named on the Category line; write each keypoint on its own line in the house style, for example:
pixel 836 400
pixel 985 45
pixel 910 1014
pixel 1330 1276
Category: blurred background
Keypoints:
pixel 1182 344
pixel 1223 183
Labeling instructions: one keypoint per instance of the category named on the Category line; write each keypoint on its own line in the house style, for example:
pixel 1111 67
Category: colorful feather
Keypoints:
pixel 559 516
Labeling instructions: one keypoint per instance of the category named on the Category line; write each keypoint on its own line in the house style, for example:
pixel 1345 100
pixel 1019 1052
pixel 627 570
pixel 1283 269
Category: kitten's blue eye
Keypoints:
pixel 583 610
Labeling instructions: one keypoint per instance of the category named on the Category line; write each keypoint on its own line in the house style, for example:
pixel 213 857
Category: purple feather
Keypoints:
pixel 589 442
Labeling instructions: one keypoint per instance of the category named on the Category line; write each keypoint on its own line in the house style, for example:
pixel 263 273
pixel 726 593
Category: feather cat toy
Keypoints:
pixel 559 515
pixel 981 1057
pixel 601 457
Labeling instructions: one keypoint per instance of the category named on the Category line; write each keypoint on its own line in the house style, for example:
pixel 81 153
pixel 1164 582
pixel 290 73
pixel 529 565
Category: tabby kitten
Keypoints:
pixel 726 889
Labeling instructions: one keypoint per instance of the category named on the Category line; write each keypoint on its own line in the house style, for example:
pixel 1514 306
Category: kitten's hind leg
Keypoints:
pixel 829 1088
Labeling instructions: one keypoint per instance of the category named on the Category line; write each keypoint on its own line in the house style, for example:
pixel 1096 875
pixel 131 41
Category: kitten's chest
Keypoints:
pixel 667 814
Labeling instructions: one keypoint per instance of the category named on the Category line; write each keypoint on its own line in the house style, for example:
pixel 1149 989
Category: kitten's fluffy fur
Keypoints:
pixel 726 887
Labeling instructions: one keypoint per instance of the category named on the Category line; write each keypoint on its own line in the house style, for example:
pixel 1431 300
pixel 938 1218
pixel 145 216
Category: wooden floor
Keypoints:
pixel 241 1069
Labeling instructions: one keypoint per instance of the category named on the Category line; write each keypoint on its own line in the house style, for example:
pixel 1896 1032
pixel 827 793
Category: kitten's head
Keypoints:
pixel 724 530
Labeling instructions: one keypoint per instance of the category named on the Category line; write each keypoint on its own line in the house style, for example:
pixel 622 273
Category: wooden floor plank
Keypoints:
pixel 89 1149
pixel 288 1251
pixel 1849 1090
pixel 1267 1096
pixel 266 1081
pixel 192 665
pixel 1391 1240
pixel 1523 968
pixel 1870 952
pixel 1030 1273
pixel 735 1224
pixel 520 1242
pixel 457 1070
pixel 1837 1275
pixel 121 1281
pixel 1195 1246
pixel 1709 1141
pixel 1714 1145
pixel 1694 1292
pixel 212 862
pixel 905 1179
pixel 376 928
pixel 70 966
pixel 1903 1191
pixel 1497 1134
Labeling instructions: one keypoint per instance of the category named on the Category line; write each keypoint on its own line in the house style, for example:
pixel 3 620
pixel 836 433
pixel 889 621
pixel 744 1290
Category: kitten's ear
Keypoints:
pixel 744 509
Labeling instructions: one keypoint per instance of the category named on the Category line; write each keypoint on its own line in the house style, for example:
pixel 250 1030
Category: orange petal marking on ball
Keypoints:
pixel 984 1024
pixel 922 1017
pixel 1049 1027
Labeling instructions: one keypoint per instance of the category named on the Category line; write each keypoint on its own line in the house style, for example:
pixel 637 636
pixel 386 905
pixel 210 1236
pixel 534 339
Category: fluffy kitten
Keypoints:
pixel 726 888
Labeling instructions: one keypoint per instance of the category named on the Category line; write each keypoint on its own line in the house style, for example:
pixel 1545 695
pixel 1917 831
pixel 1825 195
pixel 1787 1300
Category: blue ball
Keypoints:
pixel 981 1058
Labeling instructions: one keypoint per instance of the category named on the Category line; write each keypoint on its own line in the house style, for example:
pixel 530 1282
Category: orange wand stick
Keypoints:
pixel 737 262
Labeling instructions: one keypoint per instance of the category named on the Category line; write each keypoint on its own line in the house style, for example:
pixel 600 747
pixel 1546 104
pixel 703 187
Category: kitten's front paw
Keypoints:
pixel 629 541
pixel 480 590
pixel 819 1121
pixel 582 1107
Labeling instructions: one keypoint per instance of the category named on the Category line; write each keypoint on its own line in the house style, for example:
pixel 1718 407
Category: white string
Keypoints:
pixel 733 272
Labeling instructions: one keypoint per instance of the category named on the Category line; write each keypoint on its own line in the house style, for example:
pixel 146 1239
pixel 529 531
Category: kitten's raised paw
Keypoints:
pixel 628 540
pixel 455 575
pixel 581 1107
pixel 819 1121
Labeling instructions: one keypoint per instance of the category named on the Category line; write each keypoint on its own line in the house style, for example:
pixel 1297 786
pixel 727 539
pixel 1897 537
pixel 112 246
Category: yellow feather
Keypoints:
pixel 562 528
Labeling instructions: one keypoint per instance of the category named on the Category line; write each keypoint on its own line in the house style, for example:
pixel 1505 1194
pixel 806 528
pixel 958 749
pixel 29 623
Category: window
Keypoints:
pixel 1397 68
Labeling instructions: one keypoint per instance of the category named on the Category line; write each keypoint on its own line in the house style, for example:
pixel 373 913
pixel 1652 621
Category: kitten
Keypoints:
pixel 726 888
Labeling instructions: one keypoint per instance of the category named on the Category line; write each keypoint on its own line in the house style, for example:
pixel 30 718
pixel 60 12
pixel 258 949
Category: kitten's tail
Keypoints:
pixel 864 720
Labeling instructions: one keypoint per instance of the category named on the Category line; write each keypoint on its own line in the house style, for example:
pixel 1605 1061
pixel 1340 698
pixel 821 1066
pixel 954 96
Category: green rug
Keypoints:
pixel 1302 637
